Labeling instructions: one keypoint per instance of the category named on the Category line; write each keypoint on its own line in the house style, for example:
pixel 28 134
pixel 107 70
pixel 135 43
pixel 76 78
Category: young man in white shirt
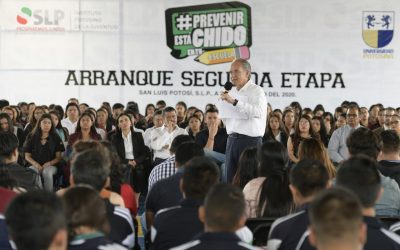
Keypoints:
pixel 161 138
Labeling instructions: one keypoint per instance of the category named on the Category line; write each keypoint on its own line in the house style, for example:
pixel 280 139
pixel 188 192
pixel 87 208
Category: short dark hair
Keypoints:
pixel 178 140
pixel 181 103
pixel 90 167
pixel 118 106
pixel 161 102
pixel 309 177
pixel 224 206
pixel 360 174
pixel 33 219
pixel 8 144
pixel 85 207
pixel 390 141
pixel 4 103
pixel 335 214
pixel 364 141
pixel 158 112
pixel 212 110
pixel 186 151
pixel 353 106
pixel 199 175
pixel 72 104
pixel 168 109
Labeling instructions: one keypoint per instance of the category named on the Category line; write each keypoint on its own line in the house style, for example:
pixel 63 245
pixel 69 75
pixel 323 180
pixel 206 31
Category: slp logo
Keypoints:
pixel 24 16
pixel 378 27
pixel 44 17
pixel 213 33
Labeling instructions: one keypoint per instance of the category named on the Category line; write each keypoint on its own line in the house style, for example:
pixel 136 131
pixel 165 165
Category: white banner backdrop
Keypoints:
pixel 120 50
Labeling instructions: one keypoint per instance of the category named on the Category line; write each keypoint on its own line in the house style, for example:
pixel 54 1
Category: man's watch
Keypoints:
pixel 235 102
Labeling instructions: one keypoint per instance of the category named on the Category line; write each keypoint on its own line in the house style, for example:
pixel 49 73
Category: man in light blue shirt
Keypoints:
pixel 337 147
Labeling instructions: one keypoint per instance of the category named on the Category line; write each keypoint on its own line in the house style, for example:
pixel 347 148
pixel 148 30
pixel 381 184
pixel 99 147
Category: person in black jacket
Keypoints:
pixel 132 151
pixel 389 158
pixel 43 148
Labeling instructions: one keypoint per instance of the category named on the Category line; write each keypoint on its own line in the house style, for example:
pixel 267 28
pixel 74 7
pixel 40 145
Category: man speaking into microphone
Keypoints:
pixel 246 122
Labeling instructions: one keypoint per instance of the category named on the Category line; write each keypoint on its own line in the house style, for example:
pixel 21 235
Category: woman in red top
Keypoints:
pixel 85 130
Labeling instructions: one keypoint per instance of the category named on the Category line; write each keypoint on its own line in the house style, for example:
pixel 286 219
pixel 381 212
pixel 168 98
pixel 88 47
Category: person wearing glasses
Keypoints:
pixel 337 147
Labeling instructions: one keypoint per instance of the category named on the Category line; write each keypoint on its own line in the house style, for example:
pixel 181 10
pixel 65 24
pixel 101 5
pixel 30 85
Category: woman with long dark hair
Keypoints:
pixel 275 130
pixel 37 112
pixel 60 130
pixel 269 194
pixel 43 148
pixel 247 167
pixel 303 131
pixel 289 120
pixel 7 125
pixel 85 130
pixel 131 150
pixel 319 128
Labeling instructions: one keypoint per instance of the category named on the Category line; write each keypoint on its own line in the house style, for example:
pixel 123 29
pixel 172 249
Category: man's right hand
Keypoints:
pixel 171 127
pixel 212 129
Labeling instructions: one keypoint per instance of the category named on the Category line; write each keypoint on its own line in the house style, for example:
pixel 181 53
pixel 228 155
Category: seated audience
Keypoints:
pixel 213 139
pixel 177 225
pixel 313 149
pixel 72 115
pixel 37 112
pixel 87 221
pixel 223 214
pixel 85 130
pixel 60 130
pixel 166 193
pixel 269 194
pixel 275 130
pixel 247 168
pixel 289 120
pixel 91 167
pixel 337 147
pixel 167 167
pixel 6 125
pixel 336 221
pixel 360 175
pixel 303 131
pixel 395 123
pixel 25 177
pixel 319 128
pixel 364 141
pixel 194 126
pixel 161 138
pixel 43 149
pixel 157 122
pixel 36 220
pixel 389 157
pixel 307 179
pixel 131 151
pixel 120 180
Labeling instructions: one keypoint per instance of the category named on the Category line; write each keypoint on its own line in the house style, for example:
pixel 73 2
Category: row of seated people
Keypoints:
pixel 224 210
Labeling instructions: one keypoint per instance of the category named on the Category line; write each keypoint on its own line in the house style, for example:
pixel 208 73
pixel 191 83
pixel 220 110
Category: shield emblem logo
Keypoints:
pixel 378 28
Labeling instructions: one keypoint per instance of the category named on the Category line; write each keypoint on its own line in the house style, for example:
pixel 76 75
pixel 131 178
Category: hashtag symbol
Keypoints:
pixel 183 22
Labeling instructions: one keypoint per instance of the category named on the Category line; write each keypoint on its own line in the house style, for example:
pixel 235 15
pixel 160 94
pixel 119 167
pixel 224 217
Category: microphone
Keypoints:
pixel 228 86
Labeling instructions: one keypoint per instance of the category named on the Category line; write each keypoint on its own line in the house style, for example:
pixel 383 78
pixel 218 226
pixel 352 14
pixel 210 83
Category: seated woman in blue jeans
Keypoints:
pixel 43 149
